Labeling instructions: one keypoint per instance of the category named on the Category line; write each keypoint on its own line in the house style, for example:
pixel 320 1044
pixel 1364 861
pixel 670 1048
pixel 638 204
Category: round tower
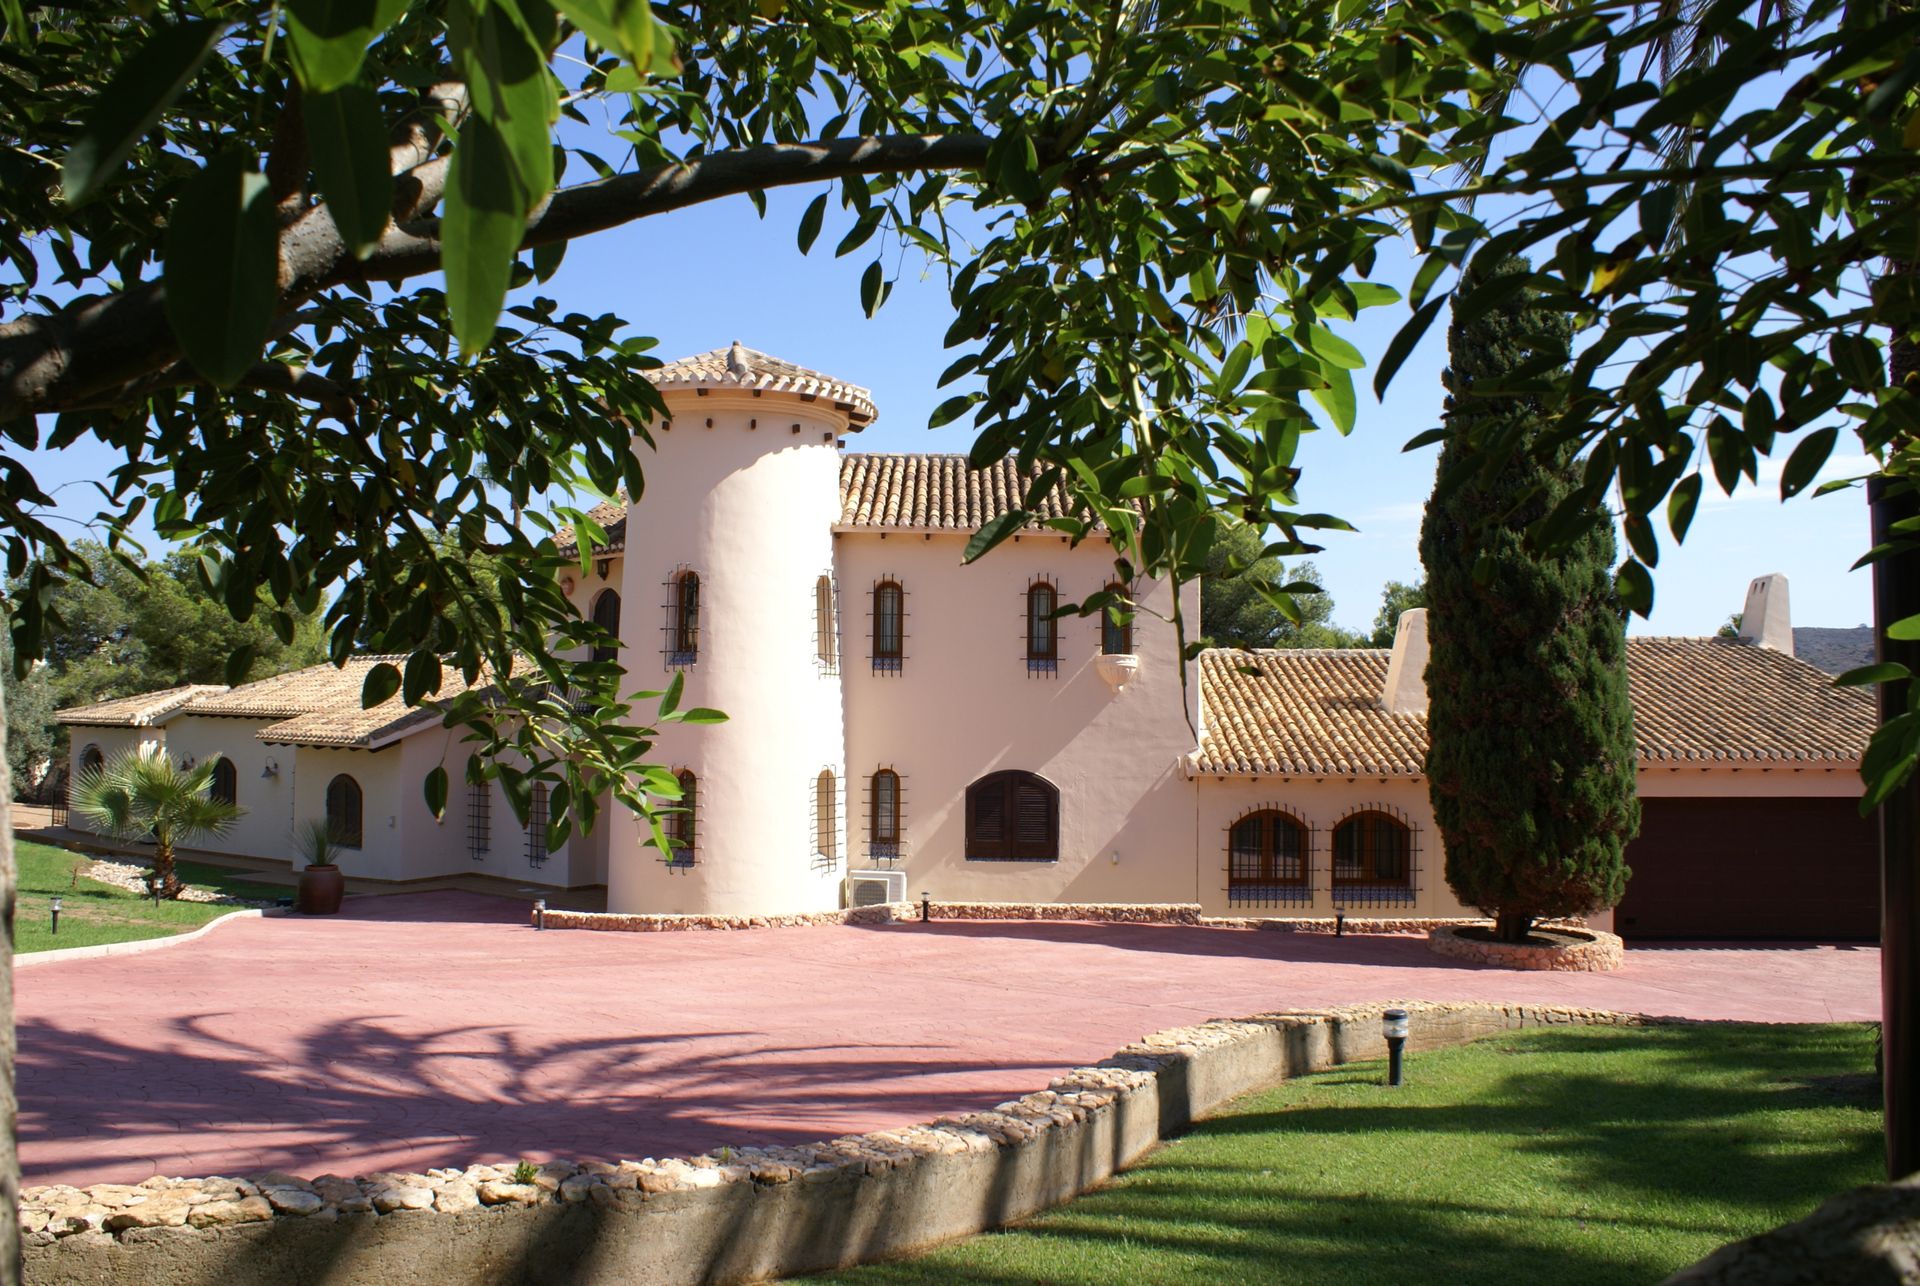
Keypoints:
pixel 729 582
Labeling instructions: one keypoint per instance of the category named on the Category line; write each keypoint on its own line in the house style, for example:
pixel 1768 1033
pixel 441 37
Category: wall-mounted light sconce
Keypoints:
pixel 603 566
pixel 566 586
pixel 186 763
pixel 271 770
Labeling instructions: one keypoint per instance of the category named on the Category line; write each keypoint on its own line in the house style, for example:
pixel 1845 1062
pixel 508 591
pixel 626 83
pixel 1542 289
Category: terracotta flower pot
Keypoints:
pixel 320 891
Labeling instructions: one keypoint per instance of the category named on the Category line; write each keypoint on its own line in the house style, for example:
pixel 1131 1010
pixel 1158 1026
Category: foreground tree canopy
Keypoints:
pixel 230 225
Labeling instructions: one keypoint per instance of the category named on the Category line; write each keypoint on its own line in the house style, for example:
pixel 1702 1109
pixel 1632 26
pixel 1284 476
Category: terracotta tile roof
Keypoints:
pixel 316 688
pixel 1309 711
pixel 1711 699
pixel 320 706
pixel 1695 700
pixel 611 516
pixel 935 492
pixel 741 367
pixel 353 728
pixel 142 711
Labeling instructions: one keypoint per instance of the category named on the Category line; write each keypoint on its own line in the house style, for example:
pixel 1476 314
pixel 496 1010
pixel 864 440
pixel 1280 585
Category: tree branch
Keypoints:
pixel 275 377
pixel 58 361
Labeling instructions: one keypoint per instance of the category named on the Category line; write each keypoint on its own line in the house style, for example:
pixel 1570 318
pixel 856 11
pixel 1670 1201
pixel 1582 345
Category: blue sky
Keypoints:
pixel 700 278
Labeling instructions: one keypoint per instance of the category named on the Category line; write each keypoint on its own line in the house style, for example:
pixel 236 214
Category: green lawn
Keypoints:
pixel 92 913
pixel 1570 1155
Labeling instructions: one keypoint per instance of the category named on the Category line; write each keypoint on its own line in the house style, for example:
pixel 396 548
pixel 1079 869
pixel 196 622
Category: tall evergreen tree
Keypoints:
pixel 1531 766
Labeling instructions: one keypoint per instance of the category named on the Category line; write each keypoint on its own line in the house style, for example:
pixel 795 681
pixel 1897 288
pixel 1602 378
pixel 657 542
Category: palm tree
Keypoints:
pixel 137 795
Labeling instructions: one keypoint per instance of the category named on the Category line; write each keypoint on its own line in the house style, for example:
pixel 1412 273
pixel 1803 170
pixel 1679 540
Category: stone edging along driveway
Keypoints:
pixel 59 954
pixel 730 1215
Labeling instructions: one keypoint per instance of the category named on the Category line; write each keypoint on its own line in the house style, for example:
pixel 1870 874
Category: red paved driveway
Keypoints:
pixel 435 1029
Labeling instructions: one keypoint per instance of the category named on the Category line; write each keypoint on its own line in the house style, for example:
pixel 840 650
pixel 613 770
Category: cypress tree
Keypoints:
pixel 1531 761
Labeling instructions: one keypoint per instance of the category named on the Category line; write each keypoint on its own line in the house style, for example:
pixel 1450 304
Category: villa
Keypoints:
pixel 903 723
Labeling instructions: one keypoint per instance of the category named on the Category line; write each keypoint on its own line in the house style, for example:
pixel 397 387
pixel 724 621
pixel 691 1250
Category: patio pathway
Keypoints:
pixel 437 1029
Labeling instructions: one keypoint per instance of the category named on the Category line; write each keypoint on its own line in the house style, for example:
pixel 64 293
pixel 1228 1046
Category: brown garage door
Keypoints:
pixel 1752 868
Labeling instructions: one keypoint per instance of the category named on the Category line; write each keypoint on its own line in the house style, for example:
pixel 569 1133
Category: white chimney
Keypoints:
pixel 1766 619
pixel 1406 688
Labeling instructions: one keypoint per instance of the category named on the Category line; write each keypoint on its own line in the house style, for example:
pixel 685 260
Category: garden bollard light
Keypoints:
pixel 539 913
pixel 1393 1025
pixel 56 913
pixel 1340 924
pixel 926 906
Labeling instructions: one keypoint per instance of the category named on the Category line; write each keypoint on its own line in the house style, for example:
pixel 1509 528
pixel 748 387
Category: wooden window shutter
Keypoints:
pixel 1032 819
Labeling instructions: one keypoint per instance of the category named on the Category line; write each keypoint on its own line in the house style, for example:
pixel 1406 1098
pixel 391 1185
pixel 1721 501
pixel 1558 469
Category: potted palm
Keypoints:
pixel 138 796
pixel 321 883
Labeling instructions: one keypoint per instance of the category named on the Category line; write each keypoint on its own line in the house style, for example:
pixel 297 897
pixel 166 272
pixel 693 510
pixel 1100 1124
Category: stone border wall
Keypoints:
pixel 1181 913
pixel 731 1215
pixel 1600 953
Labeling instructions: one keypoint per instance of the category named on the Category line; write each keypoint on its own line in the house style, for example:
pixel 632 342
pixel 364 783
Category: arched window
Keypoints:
pixel 1372 849
pixel 889 627
pixel 606 615
pixel 683 619
pixel 1043 632
pixel 1013 817
pixel 1116 636
pixel 883 822
pixel 826 642
pixel 225 785
pixel 479 820
pixel 537 826
pixel 679 825
pixel 826 816
pixel 91 760
pixel 343 811
pixel 1267 858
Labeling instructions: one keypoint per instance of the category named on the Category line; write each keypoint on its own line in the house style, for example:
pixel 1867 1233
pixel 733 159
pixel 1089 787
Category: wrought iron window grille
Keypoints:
pixel 887 609
pixel 824 819
pixel 479 820
pixel 885 808
pixel 1039 601
pixel 681 627
pixel 537 827
pixel 826 625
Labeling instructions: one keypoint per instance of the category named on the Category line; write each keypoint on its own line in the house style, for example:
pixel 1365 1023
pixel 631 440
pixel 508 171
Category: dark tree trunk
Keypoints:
pixel 1896 595
pixel 9 1158
pixel 1510 926
pixel 163 871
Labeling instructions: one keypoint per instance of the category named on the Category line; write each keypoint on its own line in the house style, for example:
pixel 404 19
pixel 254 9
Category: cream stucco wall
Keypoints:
pixel 747 495
pixel 263 830
pixel 382 854
pixel 964 705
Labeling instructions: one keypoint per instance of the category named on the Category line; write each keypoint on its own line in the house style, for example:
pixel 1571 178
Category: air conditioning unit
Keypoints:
pixel 872 888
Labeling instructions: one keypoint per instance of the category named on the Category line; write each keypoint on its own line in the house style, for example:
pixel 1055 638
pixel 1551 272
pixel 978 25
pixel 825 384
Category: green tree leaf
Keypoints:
pixel 810 221
pixel 435 791
pixel 350 159
pixel 382 681
pixel 995 531
pixel 624 26
pixel 1806 461
pixel 222 267
pixel 329 38
pixel 133 101
pixel 1337 398
pixel 502 165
